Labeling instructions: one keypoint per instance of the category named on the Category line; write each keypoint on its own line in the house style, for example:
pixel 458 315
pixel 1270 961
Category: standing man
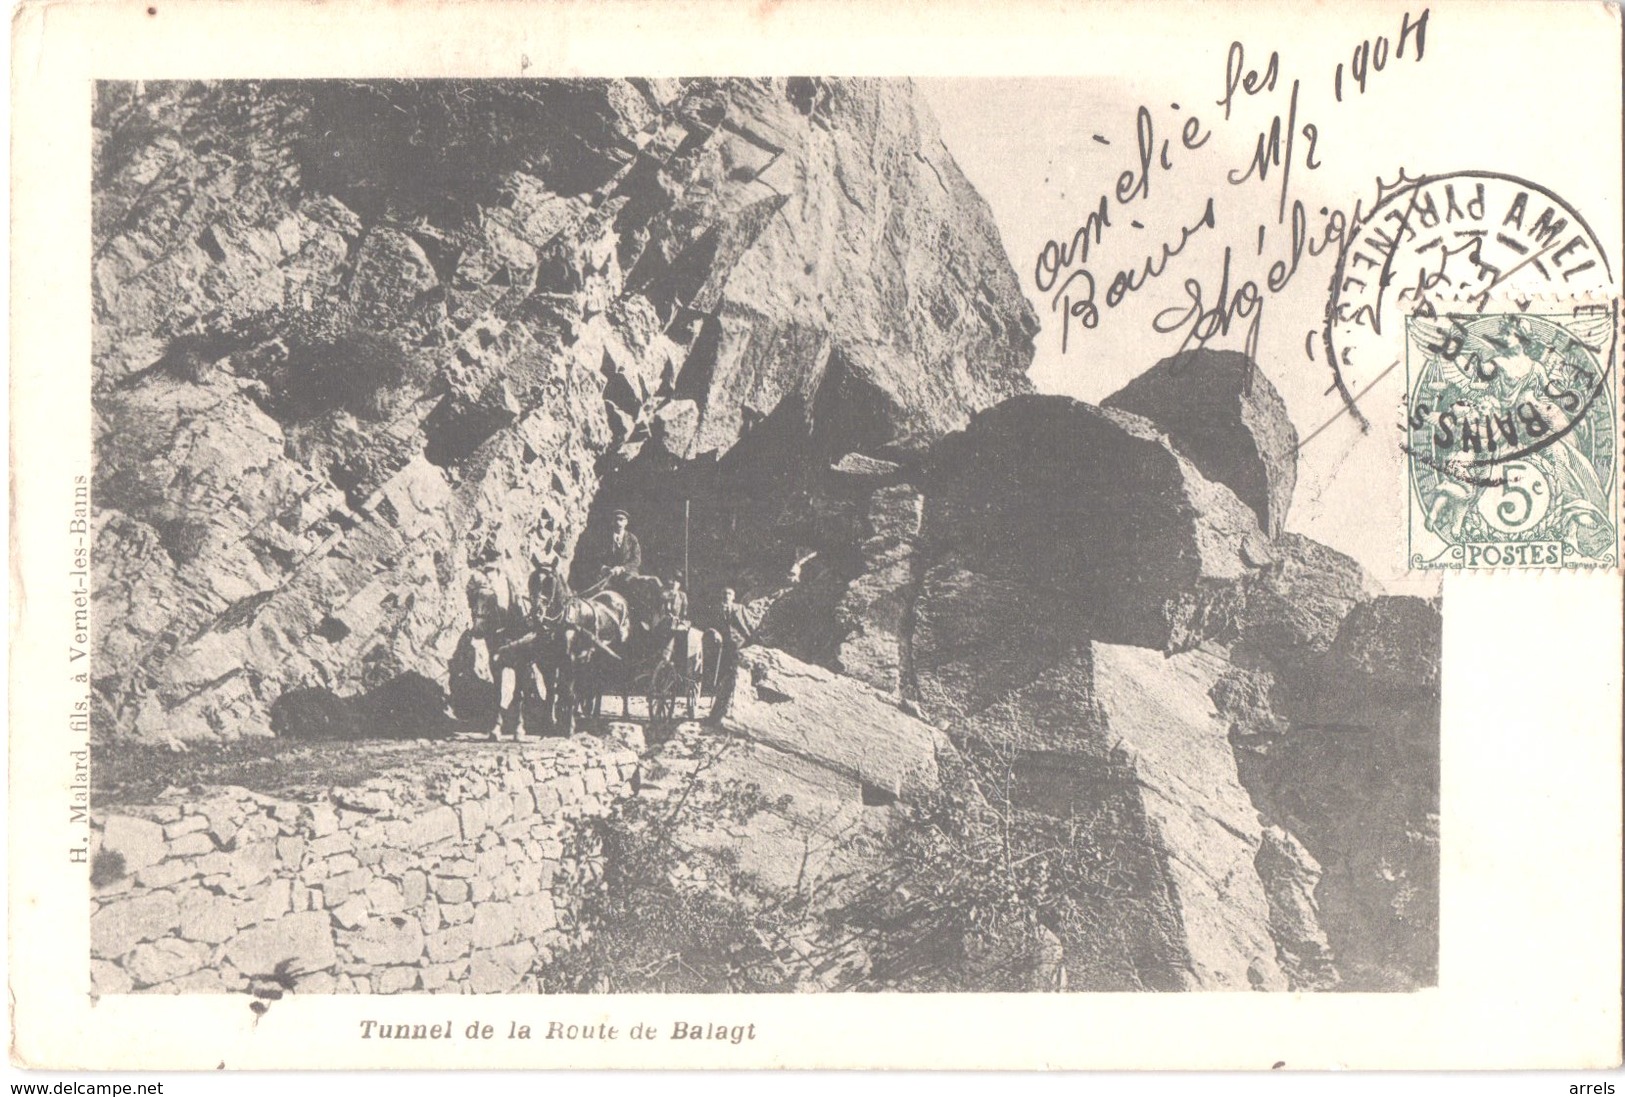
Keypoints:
pixel 738 629
pixel 672 619
pixel 497 619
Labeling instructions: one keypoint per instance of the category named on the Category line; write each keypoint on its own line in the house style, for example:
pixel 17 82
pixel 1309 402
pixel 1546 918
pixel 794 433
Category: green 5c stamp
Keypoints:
pixel 1512 439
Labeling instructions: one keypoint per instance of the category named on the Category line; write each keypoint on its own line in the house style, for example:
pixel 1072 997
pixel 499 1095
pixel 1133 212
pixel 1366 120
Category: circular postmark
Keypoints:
pixel 1510 449
pixel 1463 241
pixel 1510 436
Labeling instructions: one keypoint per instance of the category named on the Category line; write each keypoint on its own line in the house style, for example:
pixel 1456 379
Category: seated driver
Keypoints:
pixel 622 555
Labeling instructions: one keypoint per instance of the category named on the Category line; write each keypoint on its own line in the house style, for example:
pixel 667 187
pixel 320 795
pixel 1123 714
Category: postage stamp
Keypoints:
pixel 1511 438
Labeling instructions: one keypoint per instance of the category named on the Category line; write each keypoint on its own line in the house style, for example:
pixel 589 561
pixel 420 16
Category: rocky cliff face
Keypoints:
pixel 1353 772
pixel 1227 740
pixel 1279 760
pixel 349 334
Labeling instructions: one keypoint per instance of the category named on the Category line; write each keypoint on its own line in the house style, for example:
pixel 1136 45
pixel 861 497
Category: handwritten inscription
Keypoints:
pixel 1073 295
pixel 1370 57
pixel 1250 81
pixel 1229 301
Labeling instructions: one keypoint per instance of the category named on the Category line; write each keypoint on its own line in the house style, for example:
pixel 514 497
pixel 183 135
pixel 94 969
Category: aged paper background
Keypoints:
pixel 1530 918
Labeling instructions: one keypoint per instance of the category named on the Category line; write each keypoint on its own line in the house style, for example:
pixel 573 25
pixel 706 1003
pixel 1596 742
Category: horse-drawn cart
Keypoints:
pixel 665 668
pixel 605 641
pixel 672 683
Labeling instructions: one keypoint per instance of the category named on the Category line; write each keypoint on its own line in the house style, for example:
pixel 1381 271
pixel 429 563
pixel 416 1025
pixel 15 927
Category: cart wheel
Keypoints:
pixel 664 688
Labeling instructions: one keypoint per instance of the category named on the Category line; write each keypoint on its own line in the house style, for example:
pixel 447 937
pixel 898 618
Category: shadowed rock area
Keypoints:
pixel 1223 414
pixel 1094 507
pixel 1225 743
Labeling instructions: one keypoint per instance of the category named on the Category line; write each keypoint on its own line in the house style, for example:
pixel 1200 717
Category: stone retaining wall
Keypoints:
pixel 459 879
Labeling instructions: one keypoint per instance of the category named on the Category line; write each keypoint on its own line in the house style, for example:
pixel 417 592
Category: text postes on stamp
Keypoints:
pixel 1511 439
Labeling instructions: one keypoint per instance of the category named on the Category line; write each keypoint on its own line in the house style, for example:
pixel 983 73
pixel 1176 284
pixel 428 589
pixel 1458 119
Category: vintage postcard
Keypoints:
pixel 815 535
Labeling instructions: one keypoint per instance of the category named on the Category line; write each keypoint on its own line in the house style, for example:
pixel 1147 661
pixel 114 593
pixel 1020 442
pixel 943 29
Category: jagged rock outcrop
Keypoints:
pixel 348 334
pixel 977 636
pixel 1283 619
pixel 1126 743
pixel 1290 876
pixel 1054 532
pixel 829 756
pixel 1383 666
pixel 1253 776
pixel 1093 507
pixel 1355 779
pixel 1157 710
pixel 877 606
pixel 1223 414
pixel 1290 609
pixel 840 298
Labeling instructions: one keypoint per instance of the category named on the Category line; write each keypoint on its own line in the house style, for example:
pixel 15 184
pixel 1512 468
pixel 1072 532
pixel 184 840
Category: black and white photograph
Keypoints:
pixel 550 535
pixel 905 676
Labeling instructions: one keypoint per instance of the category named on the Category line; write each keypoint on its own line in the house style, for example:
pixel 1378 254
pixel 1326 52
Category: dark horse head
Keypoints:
pixel 550 596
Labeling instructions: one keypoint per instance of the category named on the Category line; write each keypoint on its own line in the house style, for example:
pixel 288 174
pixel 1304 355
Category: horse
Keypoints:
pixel 572 633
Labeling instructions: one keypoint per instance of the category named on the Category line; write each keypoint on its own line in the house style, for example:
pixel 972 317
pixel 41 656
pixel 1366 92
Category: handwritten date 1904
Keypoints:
pixel 1372 56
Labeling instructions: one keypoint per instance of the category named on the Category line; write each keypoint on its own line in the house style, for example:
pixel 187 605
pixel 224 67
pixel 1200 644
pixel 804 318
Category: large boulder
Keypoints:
pixel 1223 413
pixel 1094 508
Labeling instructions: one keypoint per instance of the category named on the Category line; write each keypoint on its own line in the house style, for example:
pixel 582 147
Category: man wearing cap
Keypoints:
pixel 622 554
